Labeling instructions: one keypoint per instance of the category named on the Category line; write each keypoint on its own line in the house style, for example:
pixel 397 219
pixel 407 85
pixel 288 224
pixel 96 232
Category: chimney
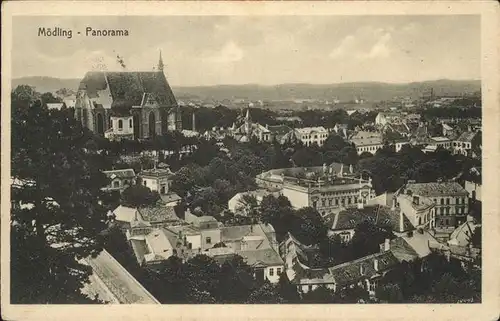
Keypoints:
pixel 387 245
pixel 194 122
pixel 393 203
pixel 361 269
pixel 375 264
pixel 341 174
pixel 351 170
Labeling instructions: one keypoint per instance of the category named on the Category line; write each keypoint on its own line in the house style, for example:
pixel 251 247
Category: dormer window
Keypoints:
pixel 120 124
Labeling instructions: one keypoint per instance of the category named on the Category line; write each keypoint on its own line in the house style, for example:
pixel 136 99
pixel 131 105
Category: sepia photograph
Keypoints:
pixel 245 159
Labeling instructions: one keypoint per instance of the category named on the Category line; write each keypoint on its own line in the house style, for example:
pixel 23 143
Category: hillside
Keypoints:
pixel 372 91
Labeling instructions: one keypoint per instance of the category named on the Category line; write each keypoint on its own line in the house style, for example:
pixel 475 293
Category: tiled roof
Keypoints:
pixel 351 217
pixel 312 276
pixel 128 88
pixel 265 257
pixel 466 137
pixel 170 197
pixel 350 272
pixel 233 233
pixel 120 173
pixel 436 189
pixel 402 250
pixel 158 214
pixel 124 213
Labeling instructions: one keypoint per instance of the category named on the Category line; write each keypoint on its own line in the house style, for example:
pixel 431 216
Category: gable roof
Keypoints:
pixel 382 215
pixel 129 88
pixel 158 214
pixel 265 257
pixel 279 129
pixel 120 173
pixel 350 272
pixel 436 189
pixel 466 137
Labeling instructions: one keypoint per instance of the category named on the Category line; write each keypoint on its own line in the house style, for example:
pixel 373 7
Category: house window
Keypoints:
pixel 116 184
pixel 130 123
pixel 310 287
pixel 447 201
pixel 271 271
pixel 120 124
pixel 208 240
pixel 278 271
pixel 145 183
pixel 442 201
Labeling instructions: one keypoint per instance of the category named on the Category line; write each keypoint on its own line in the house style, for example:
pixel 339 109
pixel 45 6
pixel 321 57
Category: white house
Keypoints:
pixel 122 127
pixel 120 179
pixel 312 135
pixel 158 180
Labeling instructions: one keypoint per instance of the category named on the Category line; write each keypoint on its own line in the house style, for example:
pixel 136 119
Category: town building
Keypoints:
pixel 440 206
pixel 472 183
pixel 468 144
pixel 145 95
pixel 384 118
pixel 119 179
pixel 327 190
pixel 345 222
pixel 121 127
pixel 311 135
pixel 248 129
pixel 369 142
pixel 145 217
pixel 157 179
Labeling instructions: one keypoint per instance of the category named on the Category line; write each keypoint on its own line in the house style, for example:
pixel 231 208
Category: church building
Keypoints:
pixel 144 99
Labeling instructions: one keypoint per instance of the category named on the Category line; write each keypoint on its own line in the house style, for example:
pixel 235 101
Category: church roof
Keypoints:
pixel 128 88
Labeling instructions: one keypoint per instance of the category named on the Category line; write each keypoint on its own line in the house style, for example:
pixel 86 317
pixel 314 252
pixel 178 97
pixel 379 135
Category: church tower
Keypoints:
pixel 160 63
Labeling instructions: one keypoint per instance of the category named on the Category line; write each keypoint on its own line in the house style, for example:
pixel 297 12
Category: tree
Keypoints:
pixel 390 293
pixel 311 228
pixel 139 196
pixel 235 281
pixel 203 275
pixel 249 204
pixel 266 294
pixel 287 290
pixel 367 237
pixel 319 295
pixel 56 215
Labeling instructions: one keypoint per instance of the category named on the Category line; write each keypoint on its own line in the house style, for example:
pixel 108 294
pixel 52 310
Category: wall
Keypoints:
pixel 471 187
pixel 215 236
pixel 297 198
pixel 195 241
pixel 275 277
pixel 127 129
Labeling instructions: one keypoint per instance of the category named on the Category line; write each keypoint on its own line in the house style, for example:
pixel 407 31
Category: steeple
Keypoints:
pixel 160 63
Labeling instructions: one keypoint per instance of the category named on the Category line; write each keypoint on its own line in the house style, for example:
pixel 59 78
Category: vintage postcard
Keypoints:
pixel 250 160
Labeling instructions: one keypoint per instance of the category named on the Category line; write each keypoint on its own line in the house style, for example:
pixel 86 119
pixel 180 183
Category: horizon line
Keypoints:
pixel 288 83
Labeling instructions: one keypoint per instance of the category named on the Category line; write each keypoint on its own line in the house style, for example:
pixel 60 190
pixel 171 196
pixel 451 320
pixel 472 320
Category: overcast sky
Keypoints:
pixel 208 50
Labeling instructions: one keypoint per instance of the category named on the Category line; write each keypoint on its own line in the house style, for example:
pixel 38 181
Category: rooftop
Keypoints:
pixel 264 257
pixel 380 215
pixel 156 173
pixel 158 214
pixel 436 189
pixel 466 137
pixel 309 130
pixel 350 272
pixel 120 173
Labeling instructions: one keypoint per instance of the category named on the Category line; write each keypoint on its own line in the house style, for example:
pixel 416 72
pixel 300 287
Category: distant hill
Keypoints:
pixel 371 91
